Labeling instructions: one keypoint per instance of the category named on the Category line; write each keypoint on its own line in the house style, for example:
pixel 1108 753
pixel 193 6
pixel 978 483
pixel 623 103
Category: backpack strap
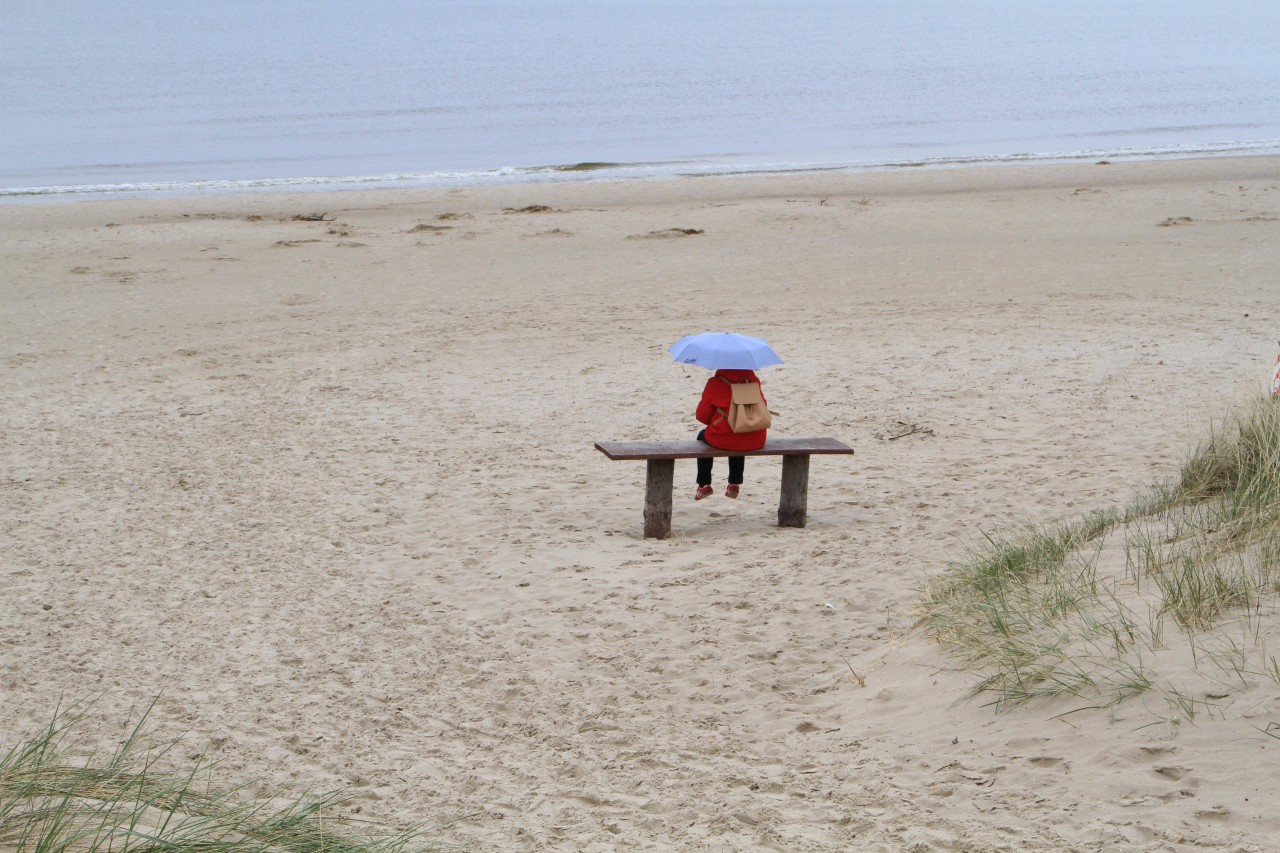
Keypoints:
pixel 721 412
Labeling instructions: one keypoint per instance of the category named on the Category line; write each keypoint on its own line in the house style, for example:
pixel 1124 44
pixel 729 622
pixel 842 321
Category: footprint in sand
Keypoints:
pixel 1174 774
pixel 1045 761
pixel 1213 813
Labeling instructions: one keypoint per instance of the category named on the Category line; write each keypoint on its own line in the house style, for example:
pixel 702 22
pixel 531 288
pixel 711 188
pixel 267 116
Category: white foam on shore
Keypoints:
pixel 612 172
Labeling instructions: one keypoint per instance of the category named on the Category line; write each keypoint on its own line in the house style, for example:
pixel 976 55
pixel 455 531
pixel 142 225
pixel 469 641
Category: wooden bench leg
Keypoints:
pixel 794 504
pixel 657 498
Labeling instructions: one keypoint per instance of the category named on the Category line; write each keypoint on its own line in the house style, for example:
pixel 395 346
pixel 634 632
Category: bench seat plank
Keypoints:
pixel 692 449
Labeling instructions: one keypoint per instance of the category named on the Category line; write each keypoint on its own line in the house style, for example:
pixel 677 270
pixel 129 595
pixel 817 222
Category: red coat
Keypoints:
pixel 716 397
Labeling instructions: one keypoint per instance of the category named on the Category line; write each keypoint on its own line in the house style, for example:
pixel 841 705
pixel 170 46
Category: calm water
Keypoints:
pixel 192 95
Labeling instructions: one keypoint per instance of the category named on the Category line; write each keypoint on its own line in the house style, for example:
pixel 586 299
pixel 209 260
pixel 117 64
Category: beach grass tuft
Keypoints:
pixel 1081 608
pixel 58 795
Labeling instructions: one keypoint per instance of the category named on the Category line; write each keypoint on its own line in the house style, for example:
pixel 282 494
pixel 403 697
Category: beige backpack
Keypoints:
pixel 747 412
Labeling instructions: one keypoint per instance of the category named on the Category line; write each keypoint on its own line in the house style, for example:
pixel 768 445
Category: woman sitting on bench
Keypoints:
pixel 719 397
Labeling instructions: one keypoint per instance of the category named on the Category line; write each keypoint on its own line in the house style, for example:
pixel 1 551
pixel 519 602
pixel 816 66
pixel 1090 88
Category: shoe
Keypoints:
pixel 731 491
pixel 703 492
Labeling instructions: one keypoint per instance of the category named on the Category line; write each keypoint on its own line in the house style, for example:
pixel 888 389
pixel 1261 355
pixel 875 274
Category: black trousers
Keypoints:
pixel 736 466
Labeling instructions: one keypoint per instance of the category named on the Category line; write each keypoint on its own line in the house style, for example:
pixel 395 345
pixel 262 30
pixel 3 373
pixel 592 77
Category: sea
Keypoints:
pixel 174 97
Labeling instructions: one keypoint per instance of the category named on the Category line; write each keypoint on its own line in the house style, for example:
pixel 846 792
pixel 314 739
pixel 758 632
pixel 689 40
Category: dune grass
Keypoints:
pixel 55 795
pixel 1084 607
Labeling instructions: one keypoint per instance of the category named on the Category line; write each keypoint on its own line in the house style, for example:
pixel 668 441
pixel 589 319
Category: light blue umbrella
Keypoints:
pixel 724 351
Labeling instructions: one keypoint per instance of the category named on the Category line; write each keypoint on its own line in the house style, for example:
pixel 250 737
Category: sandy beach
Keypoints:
pixel 327 487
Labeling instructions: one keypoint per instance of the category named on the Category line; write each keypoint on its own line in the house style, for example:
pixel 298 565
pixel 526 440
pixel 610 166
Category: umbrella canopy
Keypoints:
pixel 724 351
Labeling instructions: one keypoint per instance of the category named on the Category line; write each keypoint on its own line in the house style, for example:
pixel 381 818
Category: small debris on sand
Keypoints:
pixel 666 234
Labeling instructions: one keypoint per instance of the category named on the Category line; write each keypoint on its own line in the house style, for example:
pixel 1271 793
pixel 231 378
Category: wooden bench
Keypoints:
pixel 662 456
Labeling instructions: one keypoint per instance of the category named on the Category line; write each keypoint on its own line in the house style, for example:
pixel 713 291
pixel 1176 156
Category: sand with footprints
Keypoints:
pixel 317 471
